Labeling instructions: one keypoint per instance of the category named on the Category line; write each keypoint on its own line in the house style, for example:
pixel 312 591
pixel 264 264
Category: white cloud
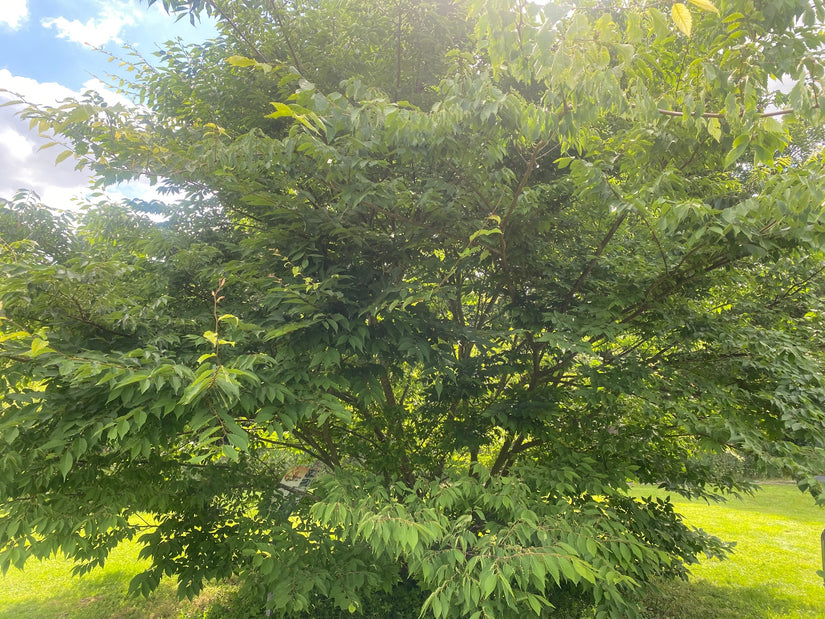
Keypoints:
pixel 13 13
pixel 24 165
pixel 32 90
pixel 96 31
pixel 17 145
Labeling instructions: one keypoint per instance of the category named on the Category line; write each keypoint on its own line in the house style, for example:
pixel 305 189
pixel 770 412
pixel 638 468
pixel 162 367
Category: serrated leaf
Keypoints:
pixel 705 5
pixel 239 441
pixel 65 463
pixel 204 357
pixel 230 452
pixel 11 434
pixel 283 110
pixel 682 18
pixel 487 582
pixel 287 328
pixel 62 157
pixel 484 232
pixel 241 61
pixel 39 346
pixel 715 129
pixel 739 145
pixel 772 125
pixel 230 317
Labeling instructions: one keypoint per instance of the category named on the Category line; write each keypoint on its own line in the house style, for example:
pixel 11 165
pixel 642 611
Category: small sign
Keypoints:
pixel 300 477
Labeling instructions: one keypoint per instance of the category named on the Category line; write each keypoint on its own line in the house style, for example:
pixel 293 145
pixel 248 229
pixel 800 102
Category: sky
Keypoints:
pixel 47 53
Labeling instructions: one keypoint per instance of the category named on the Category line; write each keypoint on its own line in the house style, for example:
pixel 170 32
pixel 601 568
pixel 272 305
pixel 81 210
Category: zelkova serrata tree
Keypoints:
pixel 485 262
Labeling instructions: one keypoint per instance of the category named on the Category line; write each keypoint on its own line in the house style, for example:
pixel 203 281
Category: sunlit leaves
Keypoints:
pixel 715 129
pixel 478 298
pixel 682 18
pixel 705 5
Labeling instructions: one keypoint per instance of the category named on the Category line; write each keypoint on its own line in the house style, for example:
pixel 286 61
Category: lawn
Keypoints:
pixel 47 590
pixel 772 573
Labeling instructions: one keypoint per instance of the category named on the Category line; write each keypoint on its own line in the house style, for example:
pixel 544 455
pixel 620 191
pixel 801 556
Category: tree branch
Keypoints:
pixel 677 113
pixel 277 13
pixel 587 269
pixel 795 287
pixel 239 32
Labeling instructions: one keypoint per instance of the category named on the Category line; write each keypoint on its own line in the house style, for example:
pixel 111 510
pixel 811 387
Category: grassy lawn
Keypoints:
pixel 772 573
pixel 47 590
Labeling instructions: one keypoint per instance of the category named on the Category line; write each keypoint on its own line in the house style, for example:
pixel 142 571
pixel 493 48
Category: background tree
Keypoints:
pixel 487 263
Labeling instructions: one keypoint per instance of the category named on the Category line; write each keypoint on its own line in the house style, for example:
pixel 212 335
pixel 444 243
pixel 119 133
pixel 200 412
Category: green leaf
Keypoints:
pixel 287 328
pixel 484 232
pixel 283 110
pixel 211 337
pixel 38 347
pixel 65 463
pixel 63 156
pixel 241 61
pixel 715 129
pixel 740 144
pixel 772 125
pixel 487 581
pixel 682 18
pixel 230 452
pixel 10 434
pixel 705 5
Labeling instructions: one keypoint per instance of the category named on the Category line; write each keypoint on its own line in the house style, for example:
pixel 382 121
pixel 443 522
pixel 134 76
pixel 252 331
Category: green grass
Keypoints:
pixel 772 573
pixel 47 590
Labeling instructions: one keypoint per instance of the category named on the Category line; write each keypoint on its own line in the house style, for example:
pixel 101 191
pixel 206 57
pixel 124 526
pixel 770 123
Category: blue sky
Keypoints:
pixel 47 54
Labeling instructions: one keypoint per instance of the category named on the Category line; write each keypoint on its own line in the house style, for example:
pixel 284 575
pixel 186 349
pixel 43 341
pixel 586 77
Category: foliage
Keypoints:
pixel 486 263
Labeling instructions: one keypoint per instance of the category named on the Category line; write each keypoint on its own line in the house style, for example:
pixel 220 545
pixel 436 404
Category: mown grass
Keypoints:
pixel 47 590
pixel 771 575
pixel 773 570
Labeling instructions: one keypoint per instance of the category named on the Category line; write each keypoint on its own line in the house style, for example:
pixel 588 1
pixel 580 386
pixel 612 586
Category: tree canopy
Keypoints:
pixel 482 263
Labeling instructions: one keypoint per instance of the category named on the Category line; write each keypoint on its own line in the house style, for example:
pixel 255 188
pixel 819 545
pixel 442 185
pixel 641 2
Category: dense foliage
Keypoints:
pixel 486 262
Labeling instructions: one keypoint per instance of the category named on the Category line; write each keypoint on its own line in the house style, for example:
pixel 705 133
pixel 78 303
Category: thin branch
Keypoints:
pixel 322 455
pixel 536 442
pixel 277 13
pixel 239 32
pixel 293 489
pixel 795 287
pixel 501 459
pixel 374 207
pixel 98 326
pixel 297 446
pixel 389 395
pixel 332 449
pixel 17 358
pixel 655 240
pixel 587 269
pixel 515 449
pixel 677 113
pixel 398 51
pixel 531 166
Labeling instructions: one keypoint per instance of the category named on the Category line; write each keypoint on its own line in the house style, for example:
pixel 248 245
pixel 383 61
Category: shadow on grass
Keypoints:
pixel 101 595
pixel 700 599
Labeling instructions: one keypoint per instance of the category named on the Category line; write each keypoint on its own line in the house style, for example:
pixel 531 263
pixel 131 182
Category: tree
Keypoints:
pixel 485 264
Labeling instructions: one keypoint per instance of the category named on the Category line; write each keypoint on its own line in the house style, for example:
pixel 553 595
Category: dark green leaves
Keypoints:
pixel 481 282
